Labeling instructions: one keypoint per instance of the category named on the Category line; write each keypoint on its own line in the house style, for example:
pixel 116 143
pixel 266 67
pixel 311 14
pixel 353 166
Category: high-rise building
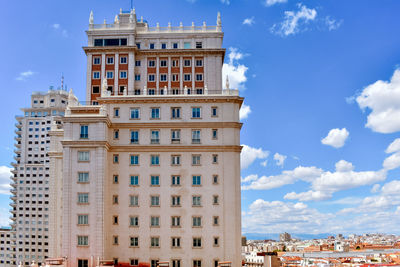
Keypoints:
pixel 31 176
pixel 149 170
pixel 285 237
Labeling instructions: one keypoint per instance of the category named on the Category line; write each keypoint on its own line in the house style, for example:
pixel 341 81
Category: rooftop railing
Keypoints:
pixel 147 29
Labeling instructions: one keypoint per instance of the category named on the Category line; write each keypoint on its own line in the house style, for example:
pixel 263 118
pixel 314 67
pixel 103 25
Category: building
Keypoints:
pixel 285 237
pixel 7 247
pixel 31 176
pixel 149 170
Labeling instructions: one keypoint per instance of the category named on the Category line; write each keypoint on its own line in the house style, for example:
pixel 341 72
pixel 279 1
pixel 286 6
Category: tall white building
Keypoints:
pixel 31 177
pixel 149 171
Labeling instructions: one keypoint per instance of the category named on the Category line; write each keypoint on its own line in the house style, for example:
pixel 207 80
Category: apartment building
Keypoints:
pixel 7 247
pixel 31 177
pixel 149 170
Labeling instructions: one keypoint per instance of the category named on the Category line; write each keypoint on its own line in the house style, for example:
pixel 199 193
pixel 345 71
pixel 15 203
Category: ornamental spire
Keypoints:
pixel 219 19
pixel 227 82
pixel 91 17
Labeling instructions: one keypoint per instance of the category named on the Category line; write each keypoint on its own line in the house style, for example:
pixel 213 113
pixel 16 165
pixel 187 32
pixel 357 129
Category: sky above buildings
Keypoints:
pixel 321 81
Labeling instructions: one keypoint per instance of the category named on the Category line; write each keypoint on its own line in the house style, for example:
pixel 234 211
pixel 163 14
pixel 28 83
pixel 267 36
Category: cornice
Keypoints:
pixel 131 125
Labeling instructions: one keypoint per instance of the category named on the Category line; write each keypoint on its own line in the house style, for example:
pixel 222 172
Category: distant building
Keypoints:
pixel 285 237
pixel 244 241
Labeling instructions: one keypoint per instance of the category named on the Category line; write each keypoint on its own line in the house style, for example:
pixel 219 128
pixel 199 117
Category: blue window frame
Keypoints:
pixel 134 160
pixel 196 180
pixel 134 180
pixel 155 180
pixel 155 159
pixel 134 137
pixel 84 131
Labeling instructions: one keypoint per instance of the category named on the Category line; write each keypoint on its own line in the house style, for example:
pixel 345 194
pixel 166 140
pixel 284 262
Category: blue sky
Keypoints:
pixel 322 94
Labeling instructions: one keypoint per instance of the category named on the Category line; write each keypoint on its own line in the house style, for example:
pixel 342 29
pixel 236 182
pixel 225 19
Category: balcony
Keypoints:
pixel 12 218
pixel 155 141
pixel 14 179
pixel 17 151
pixel 12 211
pixel 18 145
pixel 18 131
pixel 14 205
pixel 14 185
pixel 18 138
pixel 13 191
pixel 14 198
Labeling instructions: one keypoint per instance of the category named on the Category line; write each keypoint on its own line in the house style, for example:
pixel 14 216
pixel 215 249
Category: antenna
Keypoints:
pixel 62 81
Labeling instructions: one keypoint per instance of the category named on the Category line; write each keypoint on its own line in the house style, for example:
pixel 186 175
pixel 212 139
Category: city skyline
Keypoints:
pixel 300 67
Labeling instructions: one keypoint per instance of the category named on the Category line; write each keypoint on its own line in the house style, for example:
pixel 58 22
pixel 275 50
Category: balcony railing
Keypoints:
pixel 144 92
pixel 155 141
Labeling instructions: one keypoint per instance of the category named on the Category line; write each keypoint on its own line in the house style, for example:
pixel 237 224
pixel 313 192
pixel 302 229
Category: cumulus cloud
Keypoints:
pixel 25 75
pixel 5 174
pixel 393 162
pixel 279 159
pixel 308 196
pixel 375 188
pixel 273 2
pixel 336 138
pixel 250 154
pixel 294 21
pixel 382 99
pixel 244 112
pixel 394 146
pixel 235 71
pixel 264 163
pixel 248 21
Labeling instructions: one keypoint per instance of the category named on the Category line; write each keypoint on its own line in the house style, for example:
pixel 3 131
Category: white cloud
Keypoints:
pixel 336 138
pixel 248 21
pixel 225 2
pixel 250 154
pixel 332 24
pixel 293 20
pixel 24 75
pixel 249 178
pixel 392 162
pixel 394 146
pixel 308 196
pixel 57 27
pixel 234 70
pixel 4 217
pixel 344 166
pixel 382 98
pixel 280 159
pixel 375 188
pixel 264 163
pixel 244 112
pixel 273 2
pixel 5 174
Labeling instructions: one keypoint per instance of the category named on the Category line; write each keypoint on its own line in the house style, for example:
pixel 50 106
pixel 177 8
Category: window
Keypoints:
pixel 116 134
pixel 96 74
pixel 199 77
pixel 155 137
pixel 115 240
pixel 115 199
pixel 175 180
pixel 110 60
pixel 155 242
pixel 187 77
pixel 152 63
pixel 155 159
pixel 196 221
pixel 137 63
pixel 83 155
pixel 123 75
pixel 96 61
pixel 197 242
pixel 215 220
pixel 175 160
pixel 163 63
pixel 115 158
pixel 199 62
pixel 154 221
pixel 163 46
pixel 196 137
pixel 199 45
pixel 152 77
pixel 196 159
pixel 215 179
pixel 137 77
pixel 175 242
pixel 83 219
pixel 154 180
pixel 134 241
pixel 163 77
pixel 116 112
pixel 115 219
pixel 187 63
pixel 96 89
pixel 175 45
pixel 83 263
pixel 155 113
pixel 186 45
pixel 215 200
pixel 84 132
pixel 175 63
pixel 176 201
pixel 115 179
pixel 83 177
pixel 214 134
pixel 123 60
pixel 175 221
pixel 134 159
pixel 138 45
pixel 175 77
pixel 134 262
pixel 155 201
pixel 175 112
pixel 196 180
pixel 134 201
pixel 214 111
pixel 83 240
pixel 134 181
pixel 110 74
pixel 135 113
pixel 134 221
pixel 151 46
pixel 196 112
pixel 175 136
pixel 134 137
pixel 214 158
pixel 216 242
pixel 196 201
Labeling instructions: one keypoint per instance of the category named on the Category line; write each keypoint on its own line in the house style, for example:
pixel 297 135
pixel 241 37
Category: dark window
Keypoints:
pixel 83 263
pixel 98 42
pixel 96 89
pixel 123 42
pixel 111 42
